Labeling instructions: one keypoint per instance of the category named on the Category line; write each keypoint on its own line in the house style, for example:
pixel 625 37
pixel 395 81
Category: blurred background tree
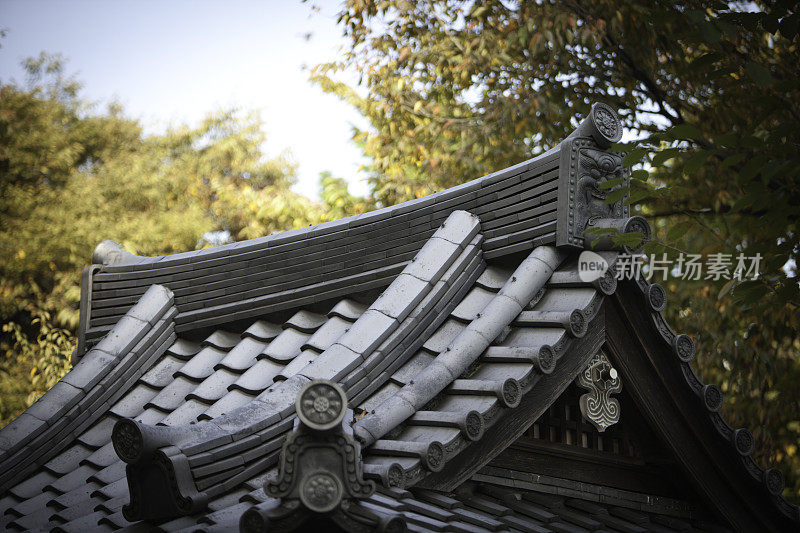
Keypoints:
pixel 72 175
pixel 710 89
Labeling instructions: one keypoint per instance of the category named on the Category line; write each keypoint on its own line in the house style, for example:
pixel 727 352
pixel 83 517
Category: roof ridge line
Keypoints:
pixel 171 447
pixel 711 397
pixel 79 398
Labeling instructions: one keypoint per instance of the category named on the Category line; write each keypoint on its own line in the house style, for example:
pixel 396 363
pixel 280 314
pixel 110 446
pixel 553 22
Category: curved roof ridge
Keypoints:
pixel 770 480
pixel 117 259
pixel 516 206
pixel 519 290
pixel 178 450
pixel 99 378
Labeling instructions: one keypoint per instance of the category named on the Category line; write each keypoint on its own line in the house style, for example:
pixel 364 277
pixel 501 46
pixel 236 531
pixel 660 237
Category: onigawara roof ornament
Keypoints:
pixel 438 365
pixel 601 380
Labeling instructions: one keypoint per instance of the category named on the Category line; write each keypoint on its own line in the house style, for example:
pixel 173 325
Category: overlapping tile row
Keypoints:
pixel 483 507
pixel 516 206
pixel 521 350
pixel 711 398
pixel 206 459
pixel 474 507
pixel 84 486
pixel 81 398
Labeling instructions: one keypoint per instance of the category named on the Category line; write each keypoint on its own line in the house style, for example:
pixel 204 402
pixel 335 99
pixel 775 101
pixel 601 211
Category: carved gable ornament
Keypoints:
pixel 585 167
pixel 601 380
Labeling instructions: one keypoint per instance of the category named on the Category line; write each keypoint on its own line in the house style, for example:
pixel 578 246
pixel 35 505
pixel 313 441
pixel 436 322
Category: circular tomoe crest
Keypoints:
pixel 712 397
pixel 774 481
pixel 434 457
pixel 637 224
pixel 321 491
pixel 578 323
pixel 744 441
pixel 684 347
pixel 394 475
pixel 511 393
pixel 473 425
pixel 321 404
pixel 127 440
pixel 657 297
pixel 607 122
pixel 393 524
pixel 607 282
pixel 546 359
pixel 252 522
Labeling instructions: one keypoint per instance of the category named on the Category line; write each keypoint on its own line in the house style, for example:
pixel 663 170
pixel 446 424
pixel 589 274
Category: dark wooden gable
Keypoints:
pixel 563 445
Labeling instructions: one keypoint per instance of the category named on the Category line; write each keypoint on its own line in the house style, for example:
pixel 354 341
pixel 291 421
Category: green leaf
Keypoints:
pixel 726 288
pixel 634 156
pixel 610 184
pixel 679 229
pixel 749 291
pixel 616 196
pixel 751 169
pixel 758 74
pixel 734 159
pixel 664 155
pixel 684 132
pixel 696 161
pixel 631 239
pixel 599 231
pixel 640 174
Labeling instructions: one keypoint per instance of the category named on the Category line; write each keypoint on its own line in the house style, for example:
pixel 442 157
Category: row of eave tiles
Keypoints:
pixel 85 486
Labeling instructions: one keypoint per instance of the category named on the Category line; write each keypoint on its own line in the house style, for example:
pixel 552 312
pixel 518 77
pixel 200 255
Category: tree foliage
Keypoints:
pixel 710 89
pixel 72 175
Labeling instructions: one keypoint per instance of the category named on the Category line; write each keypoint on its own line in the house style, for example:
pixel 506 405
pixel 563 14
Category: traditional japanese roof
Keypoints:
pixel 384 372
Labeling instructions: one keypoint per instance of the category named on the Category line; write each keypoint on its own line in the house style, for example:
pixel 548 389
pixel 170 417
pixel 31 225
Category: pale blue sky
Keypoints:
pixel 175 60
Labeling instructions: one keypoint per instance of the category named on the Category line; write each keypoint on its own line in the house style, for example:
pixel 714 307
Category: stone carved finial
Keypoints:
pixel 588 175
pixel 601 380
pixel 320 464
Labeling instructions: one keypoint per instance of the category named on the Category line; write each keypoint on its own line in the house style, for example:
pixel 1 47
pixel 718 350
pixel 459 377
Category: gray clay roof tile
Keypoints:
pixel 473 303
pixel 173 395
pixel 221 339
pixel 243 355
pixel 305 321
pixel 328 333
pixel 161 373
pixel 231 400
pixel 184 349
pixel 262 330
pixel 202 364
pixel 285 346
pixel 214 386
pixel 258 377
pixel 347 309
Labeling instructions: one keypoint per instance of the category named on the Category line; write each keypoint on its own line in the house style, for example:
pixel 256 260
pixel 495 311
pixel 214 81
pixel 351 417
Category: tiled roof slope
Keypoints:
pixel 485 507
pixel 177 417
pixel 517 208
